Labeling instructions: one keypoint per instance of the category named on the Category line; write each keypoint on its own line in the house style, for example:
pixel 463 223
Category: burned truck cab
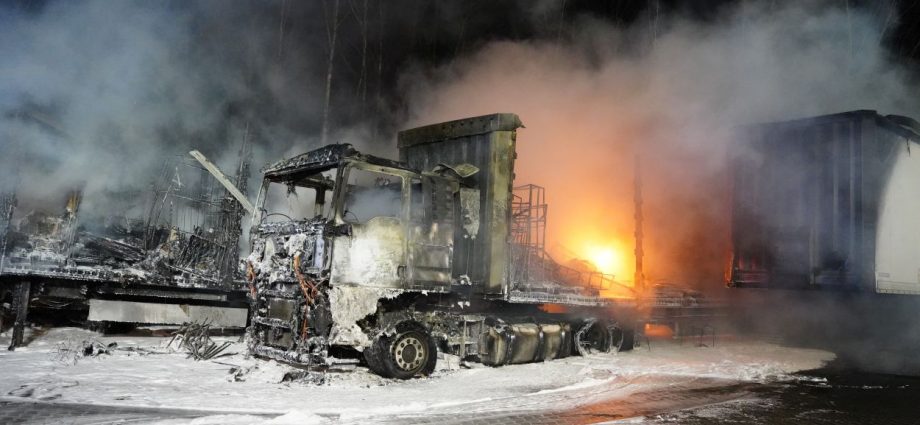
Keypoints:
pixel 341 230
pixel 355 256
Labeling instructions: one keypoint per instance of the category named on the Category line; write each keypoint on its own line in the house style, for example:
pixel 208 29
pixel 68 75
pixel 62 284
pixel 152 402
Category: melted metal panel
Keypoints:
pixel 373 255
pixel 431 238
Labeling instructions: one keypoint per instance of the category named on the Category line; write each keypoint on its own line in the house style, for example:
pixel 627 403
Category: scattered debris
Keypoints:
pixel 143 351
pixel 196 339
pixel 305 376
pixel 72 351
pixel 271 372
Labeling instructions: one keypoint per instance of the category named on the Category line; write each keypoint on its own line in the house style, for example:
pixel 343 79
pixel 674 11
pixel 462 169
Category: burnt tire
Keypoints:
pixel 622 339
pixel 409 352
pixel 373 356
pixel 629 340
pixel 592 337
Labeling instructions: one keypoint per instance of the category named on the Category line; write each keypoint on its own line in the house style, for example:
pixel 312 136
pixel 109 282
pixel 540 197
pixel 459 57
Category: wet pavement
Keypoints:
pixel 24 411
pixel 826 396
pixel 692 393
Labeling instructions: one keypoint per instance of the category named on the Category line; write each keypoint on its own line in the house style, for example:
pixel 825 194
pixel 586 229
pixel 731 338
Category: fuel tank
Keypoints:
pixel 503 344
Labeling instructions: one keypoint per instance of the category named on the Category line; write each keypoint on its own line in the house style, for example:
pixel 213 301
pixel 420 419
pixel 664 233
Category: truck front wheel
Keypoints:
pixel 409 352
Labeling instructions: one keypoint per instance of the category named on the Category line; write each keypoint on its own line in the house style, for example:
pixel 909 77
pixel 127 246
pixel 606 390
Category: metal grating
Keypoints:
pixel 533 271
pixel 193 223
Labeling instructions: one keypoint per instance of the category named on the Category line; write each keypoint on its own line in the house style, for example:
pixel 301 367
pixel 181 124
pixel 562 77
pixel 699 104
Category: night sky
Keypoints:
pixel 285 42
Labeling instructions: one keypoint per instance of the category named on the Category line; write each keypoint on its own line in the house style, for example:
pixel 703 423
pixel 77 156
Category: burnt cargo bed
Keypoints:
pixel 830 202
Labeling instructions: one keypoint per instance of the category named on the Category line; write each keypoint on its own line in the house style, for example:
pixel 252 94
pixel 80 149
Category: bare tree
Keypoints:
pixel 281 28
pixel 561 22
pixel 461 34
pixel 846 4
pixel 361 17
pixel 378 97
pixel 332 32
pixel 653 24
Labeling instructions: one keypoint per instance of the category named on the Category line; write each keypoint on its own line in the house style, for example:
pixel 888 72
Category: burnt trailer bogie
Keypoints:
pixel 396 260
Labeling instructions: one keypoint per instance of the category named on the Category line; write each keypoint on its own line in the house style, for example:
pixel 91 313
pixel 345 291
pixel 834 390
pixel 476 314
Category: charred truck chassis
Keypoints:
pixel 397 264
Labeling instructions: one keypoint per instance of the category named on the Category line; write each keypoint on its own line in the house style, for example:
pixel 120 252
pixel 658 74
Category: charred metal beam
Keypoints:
pixel 223 180
pixel 639 278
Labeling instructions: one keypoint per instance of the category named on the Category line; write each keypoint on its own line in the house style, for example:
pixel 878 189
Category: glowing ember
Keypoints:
pixel 660 331
pixel 553 308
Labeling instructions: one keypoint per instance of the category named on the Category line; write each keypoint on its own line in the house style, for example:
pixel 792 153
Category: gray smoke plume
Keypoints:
pixel 675 93
pixel 95 95
pixel 674 96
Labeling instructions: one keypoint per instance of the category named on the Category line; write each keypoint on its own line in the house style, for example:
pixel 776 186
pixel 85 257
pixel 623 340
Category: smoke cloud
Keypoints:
pixel 596 98
pixel 96 95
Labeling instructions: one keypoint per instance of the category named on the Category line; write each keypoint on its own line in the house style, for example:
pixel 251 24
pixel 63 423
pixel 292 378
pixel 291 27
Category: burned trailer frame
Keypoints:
pixel 193 227
pixel 75 270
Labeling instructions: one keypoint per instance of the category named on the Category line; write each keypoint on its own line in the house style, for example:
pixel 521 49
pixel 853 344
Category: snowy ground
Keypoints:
pixel 142 371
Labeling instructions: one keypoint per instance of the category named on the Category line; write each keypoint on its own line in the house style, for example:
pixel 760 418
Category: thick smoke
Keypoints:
pixel 97 95
pixel 597 98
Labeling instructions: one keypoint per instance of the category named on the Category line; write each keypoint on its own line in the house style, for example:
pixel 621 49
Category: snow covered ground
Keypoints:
pixel 143 371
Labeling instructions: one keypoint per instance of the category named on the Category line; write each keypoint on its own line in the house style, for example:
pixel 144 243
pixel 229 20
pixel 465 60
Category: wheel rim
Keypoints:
pixel 592 338
pixel 409 353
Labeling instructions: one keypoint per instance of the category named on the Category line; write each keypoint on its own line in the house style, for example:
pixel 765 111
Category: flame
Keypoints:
pixel 601 248
pixel 605 259
pixel 554 308
pixel 608 258
pixel 659 331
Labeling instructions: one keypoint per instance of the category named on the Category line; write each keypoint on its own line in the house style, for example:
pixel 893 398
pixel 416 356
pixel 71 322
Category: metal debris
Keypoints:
pixel 195 338
pixel 188 237
pixel 182 250
pixel 72 351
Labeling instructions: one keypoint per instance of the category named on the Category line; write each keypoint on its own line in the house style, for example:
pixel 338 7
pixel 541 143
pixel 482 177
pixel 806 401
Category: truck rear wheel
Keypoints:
pixel 373 357
pixel 593 337
pixel 408 353
pixel 622 339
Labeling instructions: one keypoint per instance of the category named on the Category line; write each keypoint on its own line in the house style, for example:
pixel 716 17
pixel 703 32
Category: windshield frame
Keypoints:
pixel 341 189
pixel 315 181
pixel 338 187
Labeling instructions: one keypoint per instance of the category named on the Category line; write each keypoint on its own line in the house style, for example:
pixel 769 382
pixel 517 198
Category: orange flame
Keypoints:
pixel 658 331
pixel 609 256
pixel 608 260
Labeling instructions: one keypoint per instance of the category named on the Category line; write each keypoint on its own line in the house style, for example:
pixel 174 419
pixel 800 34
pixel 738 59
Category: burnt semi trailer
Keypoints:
pixel 826 220
pixel 830 202
pixel 392 261
pixel 177 265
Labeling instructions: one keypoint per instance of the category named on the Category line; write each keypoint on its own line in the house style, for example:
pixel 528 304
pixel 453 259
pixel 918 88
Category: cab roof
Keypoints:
pixel 325 158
